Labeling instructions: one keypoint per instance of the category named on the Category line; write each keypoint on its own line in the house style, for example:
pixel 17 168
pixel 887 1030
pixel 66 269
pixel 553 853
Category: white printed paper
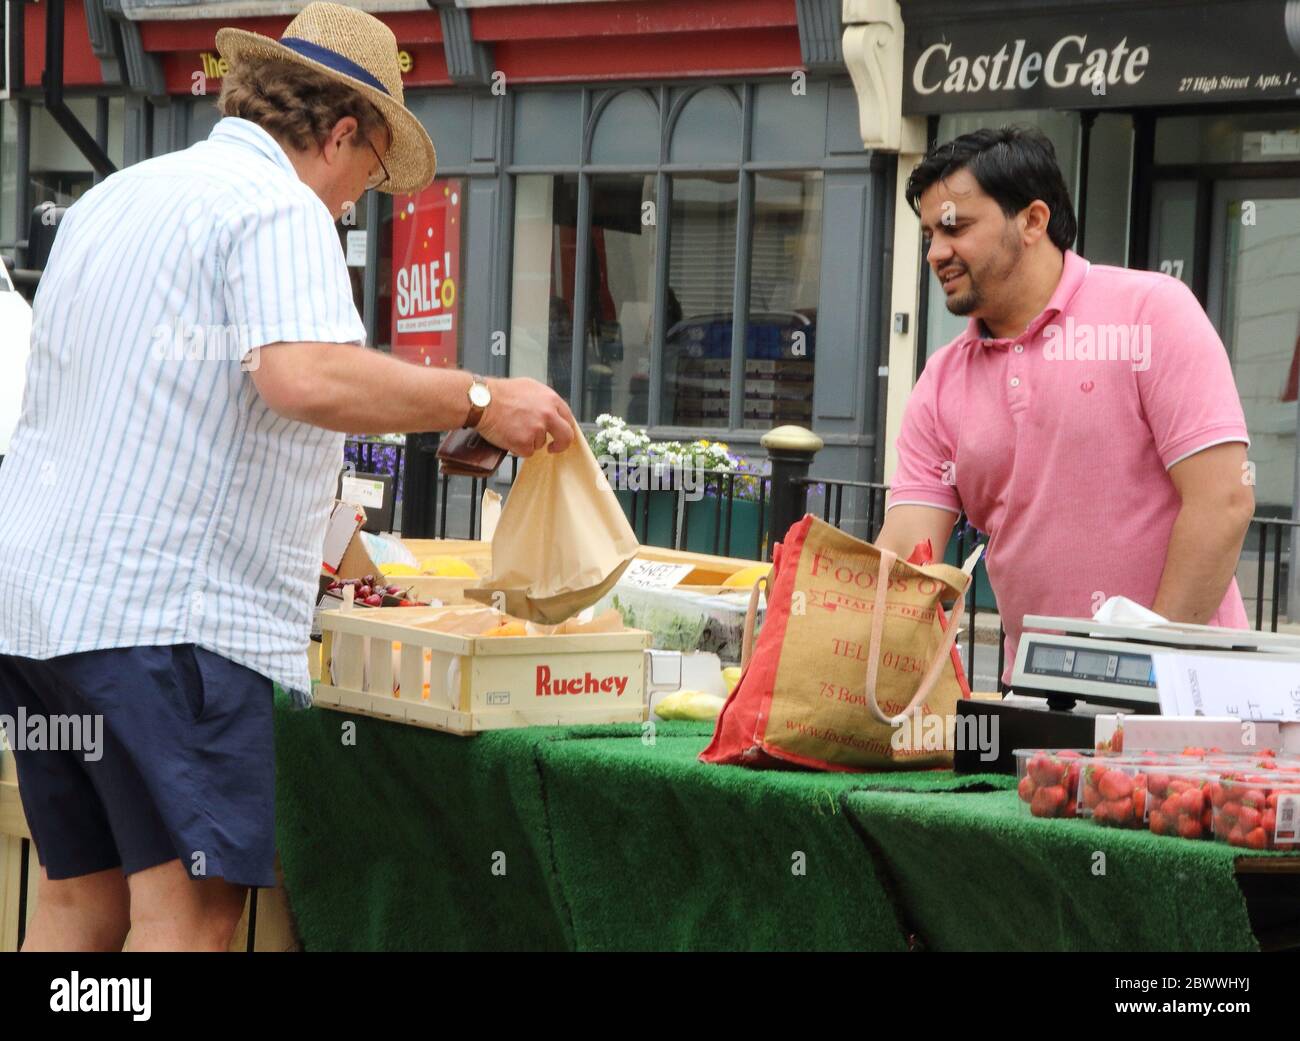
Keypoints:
pixel 1247 686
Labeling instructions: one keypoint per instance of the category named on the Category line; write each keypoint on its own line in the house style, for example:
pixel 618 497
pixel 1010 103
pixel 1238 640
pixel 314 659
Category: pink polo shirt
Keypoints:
pixel 1057 443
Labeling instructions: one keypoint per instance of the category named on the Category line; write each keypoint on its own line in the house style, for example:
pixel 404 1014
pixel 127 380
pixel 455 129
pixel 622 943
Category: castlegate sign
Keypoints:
pixel 1070 56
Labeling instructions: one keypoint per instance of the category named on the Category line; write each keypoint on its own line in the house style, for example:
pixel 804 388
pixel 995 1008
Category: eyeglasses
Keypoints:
pixel 379 178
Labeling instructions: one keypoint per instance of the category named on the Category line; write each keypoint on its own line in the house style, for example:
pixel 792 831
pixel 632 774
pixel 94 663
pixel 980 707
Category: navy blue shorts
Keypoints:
pixel 183 766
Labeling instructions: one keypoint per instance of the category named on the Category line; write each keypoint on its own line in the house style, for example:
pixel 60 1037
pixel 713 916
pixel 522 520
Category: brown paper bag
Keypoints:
pixel 562 540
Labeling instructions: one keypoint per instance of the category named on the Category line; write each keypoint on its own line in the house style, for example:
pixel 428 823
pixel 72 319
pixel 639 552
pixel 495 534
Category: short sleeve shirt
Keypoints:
pixel 1057 443
pixel 149 495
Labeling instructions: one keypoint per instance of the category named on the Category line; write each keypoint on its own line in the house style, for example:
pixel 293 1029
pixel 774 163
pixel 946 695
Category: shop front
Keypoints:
pixel 1178 128
pixel 663 211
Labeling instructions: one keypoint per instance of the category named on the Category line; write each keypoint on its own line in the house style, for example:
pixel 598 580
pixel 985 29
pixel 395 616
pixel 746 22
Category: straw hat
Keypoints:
pixel 357 49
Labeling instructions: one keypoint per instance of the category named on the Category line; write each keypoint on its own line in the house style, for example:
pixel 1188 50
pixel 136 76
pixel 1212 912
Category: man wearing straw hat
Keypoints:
pixel 195 354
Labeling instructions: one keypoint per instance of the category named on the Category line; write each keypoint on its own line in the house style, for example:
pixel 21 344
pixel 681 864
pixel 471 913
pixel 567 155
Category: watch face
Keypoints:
pixel 479 395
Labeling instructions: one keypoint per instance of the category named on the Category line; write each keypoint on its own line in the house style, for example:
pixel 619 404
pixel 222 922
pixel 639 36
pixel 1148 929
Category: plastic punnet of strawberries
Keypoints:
pixel 1178 802
pixel 1257 811
pixel 1114 794
pixel 1049 780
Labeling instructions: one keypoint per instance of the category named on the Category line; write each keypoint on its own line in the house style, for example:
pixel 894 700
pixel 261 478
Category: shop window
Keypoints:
pixel 784 281
pixel 545 250
pixel 419 282
pixel 1265 137
pixel 1110 177
pixel 701 278
pixel 620 300
pixel 790 126
pixel 1173 229
pixel 707 129
pixel 548 127
pixel 627 130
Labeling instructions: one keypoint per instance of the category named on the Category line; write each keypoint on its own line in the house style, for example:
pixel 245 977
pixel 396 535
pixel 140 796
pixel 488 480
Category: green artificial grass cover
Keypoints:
pixel 975 872
pixel 618 838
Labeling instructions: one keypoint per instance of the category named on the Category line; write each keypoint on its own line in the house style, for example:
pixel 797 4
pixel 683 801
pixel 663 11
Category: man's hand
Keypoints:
pixel 907 525
pixel 1207 535
pixel 522 413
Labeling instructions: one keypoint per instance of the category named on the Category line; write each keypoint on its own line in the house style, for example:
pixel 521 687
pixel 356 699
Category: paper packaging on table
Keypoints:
pixel 1174 733
pixel 670 671
pixel 562 540
pixel 345 521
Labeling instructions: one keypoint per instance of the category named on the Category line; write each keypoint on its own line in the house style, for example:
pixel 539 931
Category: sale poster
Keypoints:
pixel 426 273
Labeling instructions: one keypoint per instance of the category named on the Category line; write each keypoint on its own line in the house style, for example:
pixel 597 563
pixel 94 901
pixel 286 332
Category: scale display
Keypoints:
pixel 1128 669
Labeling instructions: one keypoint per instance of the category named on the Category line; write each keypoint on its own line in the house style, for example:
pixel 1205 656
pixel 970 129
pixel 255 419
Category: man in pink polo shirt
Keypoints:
pixel 1087 418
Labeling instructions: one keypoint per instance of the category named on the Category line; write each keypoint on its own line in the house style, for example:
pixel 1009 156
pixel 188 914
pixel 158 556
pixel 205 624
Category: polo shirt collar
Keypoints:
pixel 247 134
pixel 1073 272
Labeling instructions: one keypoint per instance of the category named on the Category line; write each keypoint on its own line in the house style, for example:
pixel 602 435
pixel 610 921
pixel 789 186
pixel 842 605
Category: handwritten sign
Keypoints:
pixel 652 574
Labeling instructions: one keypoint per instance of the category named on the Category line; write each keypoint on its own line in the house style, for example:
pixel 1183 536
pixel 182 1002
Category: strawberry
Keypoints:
pixel 1172 806
pixel 1216 794
pixel 1190 828
pixel 1158 823
pixel 1158 782
pixel 1248 818
pixel 1045 771
pixel 1091 797
pixel 1121 811
pixel 1068 753
pixel 1048 801
pixel 1236 837
pixel 1191 802
pixel 1115 784
pixel 1100 812
pixel 1192 750
pixel 1253 797
pixel 1269 822
pixel 1071 809
pixel 1026 788
pixel 1271 801
pixel 1256 839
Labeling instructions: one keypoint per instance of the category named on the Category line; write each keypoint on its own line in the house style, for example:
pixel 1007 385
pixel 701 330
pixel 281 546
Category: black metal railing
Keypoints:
pixel 1257 542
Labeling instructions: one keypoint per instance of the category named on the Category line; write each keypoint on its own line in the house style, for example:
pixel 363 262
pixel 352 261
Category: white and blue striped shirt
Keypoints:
pixel 149 495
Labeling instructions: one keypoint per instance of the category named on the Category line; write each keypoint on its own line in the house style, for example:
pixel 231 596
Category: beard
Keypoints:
pixel 996 269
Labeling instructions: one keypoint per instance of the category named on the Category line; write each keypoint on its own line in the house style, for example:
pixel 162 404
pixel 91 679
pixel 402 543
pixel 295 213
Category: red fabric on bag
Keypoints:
pixel 739 732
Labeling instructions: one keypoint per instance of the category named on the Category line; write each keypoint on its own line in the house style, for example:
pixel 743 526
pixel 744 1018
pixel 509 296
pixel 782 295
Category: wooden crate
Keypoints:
pixel 384 664
pixel 266 925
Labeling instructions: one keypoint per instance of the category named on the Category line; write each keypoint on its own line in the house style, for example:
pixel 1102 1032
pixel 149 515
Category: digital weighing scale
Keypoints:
pixel 1078 659
pixel 1069 660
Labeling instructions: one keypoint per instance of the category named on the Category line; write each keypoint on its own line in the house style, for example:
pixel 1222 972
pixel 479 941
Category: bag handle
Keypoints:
pixel 751 617
pixel 887 560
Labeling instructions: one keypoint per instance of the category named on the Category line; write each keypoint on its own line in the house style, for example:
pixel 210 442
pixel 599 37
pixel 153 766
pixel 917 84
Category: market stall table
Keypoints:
pixel 615 838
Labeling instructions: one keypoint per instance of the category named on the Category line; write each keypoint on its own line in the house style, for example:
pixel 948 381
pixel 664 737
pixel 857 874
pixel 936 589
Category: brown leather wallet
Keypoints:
pixel 466 453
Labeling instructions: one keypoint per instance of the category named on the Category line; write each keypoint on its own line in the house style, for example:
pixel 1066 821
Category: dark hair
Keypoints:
pixel 1013 165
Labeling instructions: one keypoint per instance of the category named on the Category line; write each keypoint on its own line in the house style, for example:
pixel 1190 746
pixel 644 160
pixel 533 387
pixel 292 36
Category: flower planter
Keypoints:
pixel 702 515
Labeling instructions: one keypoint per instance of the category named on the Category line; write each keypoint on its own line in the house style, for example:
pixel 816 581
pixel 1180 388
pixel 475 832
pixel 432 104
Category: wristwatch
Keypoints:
pixel 479 399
